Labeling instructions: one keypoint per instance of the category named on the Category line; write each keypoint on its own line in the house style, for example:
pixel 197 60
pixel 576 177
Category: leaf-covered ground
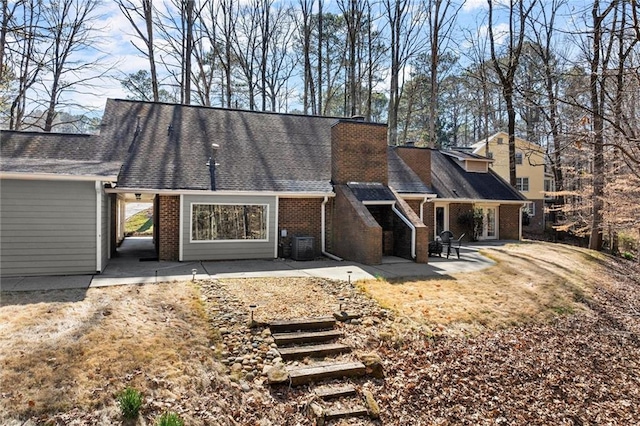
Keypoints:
pixel 578 370
pixel 65 355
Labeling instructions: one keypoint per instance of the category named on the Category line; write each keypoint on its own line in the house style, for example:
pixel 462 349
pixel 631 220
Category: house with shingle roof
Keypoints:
pixel 225 184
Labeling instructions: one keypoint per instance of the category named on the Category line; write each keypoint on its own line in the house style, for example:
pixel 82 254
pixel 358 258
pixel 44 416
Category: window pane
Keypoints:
pixel 518 158
pixel 213 222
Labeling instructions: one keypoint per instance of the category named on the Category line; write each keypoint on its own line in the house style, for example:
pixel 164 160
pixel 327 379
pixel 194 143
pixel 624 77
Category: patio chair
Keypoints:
pixel 449 242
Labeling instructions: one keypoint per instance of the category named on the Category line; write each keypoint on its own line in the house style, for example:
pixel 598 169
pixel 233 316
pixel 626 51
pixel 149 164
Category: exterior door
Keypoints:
pixel 489 222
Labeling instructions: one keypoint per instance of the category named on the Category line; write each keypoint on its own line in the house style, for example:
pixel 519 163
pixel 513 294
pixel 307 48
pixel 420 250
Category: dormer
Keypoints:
pixel 469 162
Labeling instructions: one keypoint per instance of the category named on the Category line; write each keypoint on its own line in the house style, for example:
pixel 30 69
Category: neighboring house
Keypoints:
pixel 464 184
pixel 225 184
pixel 531 179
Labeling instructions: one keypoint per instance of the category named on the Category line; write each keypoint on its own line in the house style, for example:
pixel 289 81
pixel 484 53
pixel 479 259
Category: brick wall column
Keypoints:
pixel 509 217
pixel 169 227
pixel 300 217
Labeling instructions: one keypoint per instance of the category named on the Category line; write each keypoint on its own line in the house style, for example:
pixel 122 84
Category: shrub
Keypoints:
pixel 627 255
pixel 130 401
pixel 169 419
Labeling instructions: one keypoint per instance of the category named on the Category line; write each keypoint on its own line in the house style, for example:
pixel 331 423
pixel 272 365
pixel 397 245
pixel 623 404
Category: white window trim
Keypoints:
pixel 484 225
pixel 533 208
pixel 521 185
pixel 192 241
pixel 435 219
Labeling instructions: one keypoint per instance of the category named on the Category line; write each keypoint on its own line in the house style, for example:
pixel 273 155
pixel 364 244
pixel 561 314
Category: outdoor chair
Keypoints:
pixel 449 242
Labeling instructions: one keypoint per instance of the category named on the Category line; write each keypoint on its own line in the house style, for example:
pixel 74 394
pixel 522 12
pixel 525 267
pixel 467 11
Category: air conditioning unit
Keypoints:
pixel 302 248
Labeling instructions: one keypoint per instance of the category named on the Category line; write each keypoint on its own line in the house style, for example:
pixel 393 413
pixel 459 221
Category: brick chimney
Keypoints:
pixel 418 159
pixel 358 152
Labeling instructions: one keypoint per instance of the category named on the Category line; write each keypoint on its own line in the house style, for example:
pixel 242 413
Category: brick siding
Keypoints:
pixel 419 160
pixel 456 210
pixel 300 217
pixel 358 152
pixel 356 234
pixel 169 227
pixel 509 217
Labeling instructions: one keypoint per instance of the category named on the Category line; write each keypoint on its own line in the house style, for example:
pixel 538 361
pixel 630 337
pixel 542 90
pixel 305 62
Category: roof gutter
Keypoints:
pixel 55 176
pixel 410 225
pixel 322 232
pixel 284 194
pixel 478 201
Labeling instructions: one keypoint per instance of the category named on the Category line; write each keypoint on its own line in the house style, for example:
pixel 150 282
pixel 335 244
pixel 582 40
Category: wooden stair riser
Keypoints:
pixel 313 351
pixel 304 375
pixel 282 339
pixel 285 326
pixel 327 392
pixel 334 414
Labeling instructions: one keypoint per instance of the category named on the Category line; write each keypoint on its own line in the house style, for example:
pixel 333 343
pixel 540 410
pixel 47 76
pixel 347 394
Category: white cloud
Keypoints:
pixel 470 5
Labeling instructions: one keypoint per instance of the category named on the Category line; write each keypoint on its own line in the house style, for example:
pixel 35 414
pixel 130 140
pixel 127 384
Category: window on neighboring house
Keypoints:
pixel 518 158
pixel 500 141
pixel 522 184
pixel 531 208
pixel 228 222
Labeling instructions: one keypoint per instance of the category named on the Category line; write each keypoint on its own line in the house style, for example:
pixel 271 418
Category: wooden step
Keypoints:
pixel 313 351
pixel 316 373
pixel 332 392
pixel 306 337
pixel 342 413
pixel 298 324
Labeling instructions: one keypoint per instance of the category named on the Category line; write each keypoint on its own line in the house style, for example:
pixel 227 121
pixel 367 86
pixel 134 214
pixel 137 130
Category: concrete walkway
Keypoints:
pixel 130 270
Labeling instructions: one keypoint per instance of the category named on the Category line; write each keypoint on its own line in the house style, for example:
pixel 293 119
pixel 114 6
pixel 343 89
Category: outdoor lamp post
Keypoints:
pixel 251 309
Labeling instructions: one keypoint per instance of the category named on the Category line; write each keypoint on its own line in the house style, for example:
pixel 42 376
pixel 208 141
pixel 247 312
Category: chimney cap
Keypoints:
pixel 357 117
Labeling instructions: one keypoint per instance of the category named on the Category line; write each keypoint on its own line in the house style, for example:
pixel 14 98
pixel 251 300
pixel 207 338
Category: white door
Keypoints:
pixel 489 223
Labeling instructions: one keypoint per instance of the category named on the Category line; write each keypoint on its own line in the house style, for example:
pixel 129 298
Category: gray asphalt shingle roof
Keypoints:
pixel 169 147
pixel 451 181
pixel 55 153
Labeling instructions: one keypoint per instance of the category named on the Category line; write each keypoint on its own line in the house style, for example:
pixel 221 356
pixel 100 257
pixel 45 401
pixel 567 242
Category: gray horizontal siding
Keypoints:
pixel 47 227
pixel 228 250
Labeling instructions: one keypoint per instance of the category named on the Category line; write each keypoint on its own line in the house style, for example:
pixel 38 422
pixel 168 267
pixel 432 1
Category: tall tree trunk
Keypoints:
pixel 595 240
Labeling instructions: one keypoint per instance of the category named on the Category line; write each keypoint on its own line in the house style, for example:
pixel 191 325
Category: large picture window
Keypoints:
pixel 224 222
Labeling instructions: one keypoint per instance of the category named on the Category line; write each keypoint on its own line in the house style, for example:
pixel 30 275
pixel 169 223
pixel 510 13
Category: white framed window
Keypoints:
pixel 530 208
pixel 522 184
pixel 518 158
pixel 229 222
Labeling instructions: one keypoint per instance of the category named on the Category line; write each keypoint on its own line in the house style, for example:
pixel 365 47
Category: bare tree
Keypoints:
pixel 305 30
pixel 506 66
pixel 23 61
pixel 69 27
pixel 144 31
pixel 405 19
pixel 353 12
pixel 441 16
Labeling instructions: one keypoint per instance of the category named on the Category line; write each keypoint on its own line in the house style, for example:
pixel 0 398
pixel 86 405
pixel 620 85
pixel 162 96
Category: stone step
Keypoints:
pixel 332 392
pixel 316 373
pixel 343 413
pixel 306 337
pixel 298 324
pixel 313 351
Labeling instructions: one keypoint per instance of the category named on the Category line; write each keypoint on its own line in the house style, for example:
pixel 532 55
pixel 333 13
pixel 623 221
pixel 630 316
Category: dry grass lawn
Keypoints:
pixel 69 349
pixel 531 282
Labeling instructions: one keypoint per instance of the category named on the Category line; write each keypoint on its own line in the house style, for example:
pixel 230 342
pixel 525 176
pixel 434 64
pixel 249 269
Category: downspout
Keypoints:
pixel 410 225
pixel 424 200
pixel 322 232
